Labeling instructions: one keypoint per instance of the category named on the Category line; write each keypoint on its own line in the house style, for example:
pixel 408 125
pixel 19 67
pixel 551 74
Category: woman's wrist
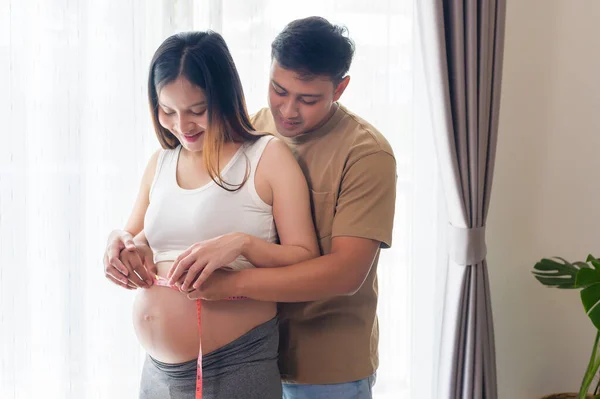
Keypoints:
pixel 113 235
pixel 140 242
pixel 245 243
pixel 140 239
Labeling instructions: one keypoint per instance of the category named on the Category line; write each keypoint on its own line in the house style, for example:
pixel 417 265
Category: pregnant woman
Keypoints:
pixel 219 195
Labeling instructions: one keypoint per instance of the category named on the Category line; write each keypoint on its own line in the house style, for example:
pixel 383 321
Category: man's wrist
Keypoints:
pixel 239 283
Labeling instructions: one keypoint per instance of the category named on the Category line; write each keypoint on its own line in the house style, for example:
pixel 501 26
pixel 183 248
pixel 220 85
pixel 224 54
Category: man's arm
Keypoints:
pixel 362 224
pixel 341 272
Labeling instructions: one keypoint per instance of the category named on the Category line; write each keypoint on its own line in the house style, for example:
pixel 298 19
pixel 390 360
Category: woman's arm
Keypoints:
pixel 135 223
pixel 279 181
pixel 140 239
pixel 291 211
pixel 118 240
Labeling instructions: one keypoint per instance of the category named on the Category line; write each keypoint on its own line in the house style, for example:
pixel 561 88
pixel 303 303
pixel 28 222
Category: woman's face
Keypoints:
pixel 182 109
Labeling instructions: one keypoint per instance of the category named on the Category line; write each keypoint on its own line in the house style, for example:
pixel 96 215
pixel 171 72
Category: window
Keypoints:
pixel 77 135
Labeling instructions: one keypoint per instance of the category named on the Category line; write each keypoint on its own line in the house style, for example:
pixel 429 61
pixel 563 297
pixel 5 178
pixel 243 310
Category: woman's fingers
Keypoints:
pixel 206 272
pixel 121 281
pixel 192 273
pixel 178 268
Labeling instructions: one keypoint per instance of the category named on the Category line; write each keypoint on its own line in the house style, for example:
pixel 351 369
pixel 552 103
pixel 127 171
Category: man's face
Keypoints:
pixel 300 105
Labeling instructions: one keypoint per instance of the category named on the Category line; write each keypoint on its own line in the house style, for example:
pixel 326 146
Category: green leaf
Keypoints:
pixel 582 265
pixel 552 273
pixel 587 277
pixel 595 262
pixel 551 264
pixel 555 283
pixel 590 297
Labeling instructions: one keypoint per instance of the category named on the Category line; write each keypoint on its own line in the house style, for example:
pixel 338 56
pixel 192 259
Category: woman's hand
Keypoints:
pixel 139 261
pixel 133 275
pixel 203 258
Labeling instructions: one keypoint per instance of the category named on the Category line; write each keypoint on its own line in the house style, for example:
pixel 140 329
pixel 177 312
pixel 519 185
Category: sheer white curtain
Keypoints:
pixel 76 135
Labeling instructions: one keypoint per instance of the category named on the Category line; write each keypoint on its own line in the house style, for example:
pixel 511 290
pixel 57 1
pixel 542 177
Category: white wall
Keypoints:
pixel 546 194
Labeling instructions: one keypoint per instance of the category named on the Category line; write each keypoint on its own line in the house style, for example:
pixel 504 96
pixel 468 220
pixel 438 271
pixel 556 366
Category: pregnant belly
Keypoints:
pixel 166 324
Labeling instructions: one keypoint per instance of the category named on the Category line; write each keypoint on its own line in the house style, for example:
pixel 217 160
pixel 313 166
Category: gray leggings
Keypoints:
pixel 243 369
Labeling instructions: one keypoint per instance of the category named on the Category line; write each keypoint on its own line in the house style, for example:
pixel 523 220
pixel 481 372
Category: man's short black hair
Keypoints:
pixel 313 46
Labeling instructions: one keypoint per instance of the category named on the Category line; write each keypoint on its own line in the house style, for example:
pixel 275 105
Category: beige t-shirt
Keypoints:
pixel 351 172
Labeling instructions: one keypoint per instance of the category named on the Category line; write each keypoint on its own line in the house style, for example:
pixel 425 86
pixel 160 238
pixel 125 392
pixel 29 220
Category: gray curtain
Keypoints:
pixel 462 47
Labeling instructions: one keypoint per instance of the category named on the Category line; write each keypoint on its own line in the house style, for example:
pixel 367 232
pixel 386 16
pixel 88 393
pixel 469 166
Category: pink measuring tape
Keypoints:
pixel 163 282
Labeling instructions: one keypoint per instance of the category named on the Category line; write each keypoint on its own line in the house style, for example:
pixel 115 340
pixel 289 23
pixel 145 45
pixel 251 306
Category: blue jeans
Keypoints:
pixel 361 389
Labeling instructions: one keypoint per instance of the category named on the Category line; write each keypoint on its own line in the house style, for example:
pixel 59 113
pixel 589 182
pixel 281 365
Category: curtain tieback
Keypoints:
pixel 466 245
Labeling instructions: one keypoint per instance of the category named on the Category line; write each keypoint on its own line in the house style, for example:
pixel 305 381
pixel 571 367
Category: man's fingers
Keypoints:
pixel 139 268
pixel 133 276
pixel 137 281
pixel 195 294
pixel 151 267
pixel 115 262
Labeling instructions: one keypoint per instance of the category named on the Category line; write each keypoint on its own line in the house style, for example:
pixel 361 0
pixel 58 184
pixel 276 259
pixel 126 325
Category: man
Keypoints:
pixel 328 323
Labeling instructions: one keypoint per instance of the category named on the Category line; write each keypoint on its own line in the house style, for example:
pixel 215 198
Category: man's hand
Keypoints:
pixel 200 260
pixel 220 285
pixel 133 275
pixel 139 262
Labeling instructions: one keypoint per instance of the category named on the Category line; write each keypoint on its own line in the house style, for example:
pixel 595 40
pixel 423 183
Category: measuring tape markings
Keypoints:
pixel 163 282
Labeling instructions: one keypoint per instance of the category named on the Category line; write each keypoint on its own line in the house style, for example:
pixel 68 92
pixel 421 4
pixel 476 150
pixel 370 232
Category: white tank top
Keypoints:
pixel 177 218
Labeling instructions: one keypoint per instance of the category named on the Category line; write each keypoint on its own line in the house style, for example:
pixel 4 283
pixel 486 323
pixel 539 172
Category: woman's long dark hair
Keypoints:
pixel 204 59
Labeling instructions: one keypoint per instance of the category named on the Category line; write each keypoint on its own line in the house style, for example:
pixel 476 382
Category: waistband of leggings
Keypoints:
pixel 184 370
pixel 257 333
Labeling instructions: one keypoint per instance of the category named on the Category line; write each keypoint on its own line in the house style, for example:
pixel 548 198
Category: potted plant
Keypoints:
pixel 559 273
